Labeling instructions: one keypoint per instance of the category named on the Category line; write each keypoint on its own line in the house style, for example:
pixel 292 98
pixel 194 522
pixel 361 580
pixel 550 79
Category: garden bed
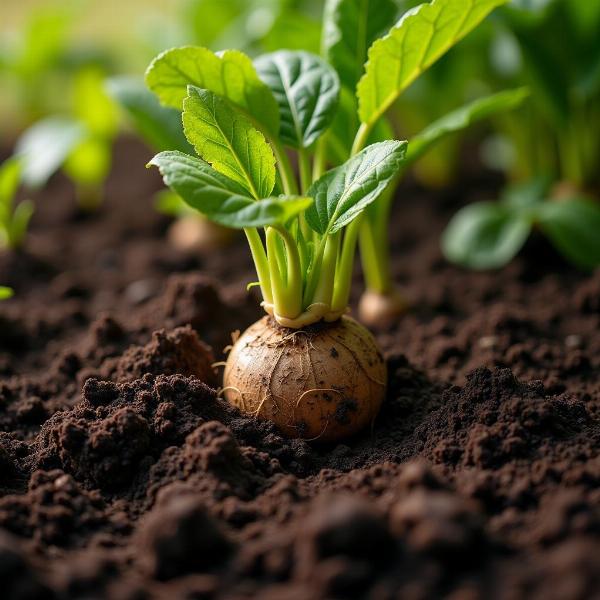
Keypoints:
pixel 123 475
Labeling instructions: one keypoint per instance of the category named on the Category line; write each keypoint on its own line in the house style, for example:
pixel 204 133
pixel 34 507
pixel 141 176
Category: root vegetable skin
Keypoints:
pixel 325 382
pixel 381 310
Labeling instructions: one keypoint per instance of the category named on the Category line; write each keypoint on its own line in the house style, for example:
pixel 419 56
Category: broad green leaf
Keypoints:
pixel 343 193
pixel 5 293
pixel 92 105
pixel 462 118
pixel 350 27
pixel 306 89
pixel 226 139
pixel 230 74
pixel 574 228
pixel 420 38
pixel 44 147
pixel 159 126
pixel 484 235
pixel 221 199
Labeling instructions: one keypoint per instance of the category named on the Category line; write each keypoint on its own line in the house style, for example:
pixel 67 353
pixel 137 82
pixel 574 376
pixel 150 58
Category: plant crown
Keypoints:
pixel 244 117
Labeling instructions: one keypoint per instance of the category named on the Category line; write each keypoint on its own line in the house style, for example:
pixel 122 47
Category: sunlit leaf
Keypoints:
pixel 419 39
pixel 306 89
pixel 226 139
pixel 221 199
pixel 343 193
pixel 229 74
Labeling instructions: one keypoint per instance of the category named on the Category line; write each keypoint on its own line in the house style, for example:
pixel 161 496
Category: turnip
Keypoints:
pixel 306 366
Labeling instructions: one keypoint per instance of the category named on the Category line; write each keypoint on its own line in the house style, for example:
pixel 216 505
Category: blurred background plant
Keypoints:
pixel 55 55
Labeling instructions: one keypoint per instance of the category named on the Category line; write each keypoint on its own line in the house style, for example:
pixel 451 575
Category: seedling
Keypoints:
pixel 14 218
pixel 79 143
pixel 486 235
pixel 242 118
pixel 239 126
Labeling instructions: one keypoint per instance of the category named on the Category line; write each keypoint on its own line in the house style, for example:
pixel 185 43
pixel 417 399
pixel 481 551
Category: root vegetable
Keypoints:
pixel 323 382
pixel 381 310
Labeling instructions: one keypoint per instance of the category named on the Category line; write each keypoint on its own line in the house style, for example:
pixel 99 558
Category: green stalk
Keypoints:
pixel 320 158
pixel 305 172
pixel 324 292
pixel 287 288
pixel 284 167
pixel 343 276
pixel 260 262
pixel 374 244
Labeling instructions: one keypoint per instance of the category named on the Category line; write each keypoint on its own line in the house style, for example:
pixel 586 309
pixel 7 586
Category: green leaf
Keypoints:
pixel 5 293
pixel 159 126
pixel 226 139
pixel 420 38
pixel 230 74
pixel 10 177
pixel 44 147
pixel 484 235
pixel 462 118
pixel 343 193
pixel 306 89
pixel 92 105
pixel 350 27
pixel 574 228
pixel 221 199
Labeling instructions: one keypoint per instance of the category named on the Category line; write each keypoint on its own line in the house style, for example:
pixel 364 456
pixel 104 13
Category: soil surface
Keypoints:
pixel 124 475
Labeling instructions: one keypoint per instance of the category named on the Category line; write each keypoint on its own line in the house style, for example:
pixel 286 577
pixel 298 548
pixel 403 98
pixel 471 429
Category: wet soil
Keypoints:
pixel 124 475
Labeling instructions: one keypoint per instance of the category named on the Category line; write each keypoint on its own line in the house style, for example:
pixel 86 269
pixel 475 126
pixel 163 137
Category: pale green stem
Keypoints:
pixel 320 158
pixel 284 166
pixel 304 166
pixel 287 291
pixel 260 262
pixel 343 279
pixel 324 292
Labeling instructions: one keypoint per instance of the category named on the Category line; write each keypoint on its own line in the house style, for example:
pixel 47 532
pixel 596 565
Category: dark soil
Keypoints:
pixel 124 475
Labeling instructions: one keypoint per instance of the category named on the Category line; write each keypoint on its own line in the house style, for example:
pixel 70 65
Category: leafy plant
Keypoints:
pixel 14 218
pixel 559 133
pixel 240 119
pixel 486 235
pixel 80 143
pixel 382 69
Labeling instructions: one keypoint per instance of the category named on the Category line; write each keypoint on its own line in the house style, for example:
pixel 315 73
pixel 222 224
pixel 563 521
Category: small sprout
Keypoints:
pixel 14 217
pixel 5 293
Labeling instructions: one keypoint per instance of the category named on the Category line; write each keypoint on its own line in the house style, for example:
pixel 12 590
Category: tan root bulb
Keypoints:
pixel 195 234
pixel 324 382
pixel 381 310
